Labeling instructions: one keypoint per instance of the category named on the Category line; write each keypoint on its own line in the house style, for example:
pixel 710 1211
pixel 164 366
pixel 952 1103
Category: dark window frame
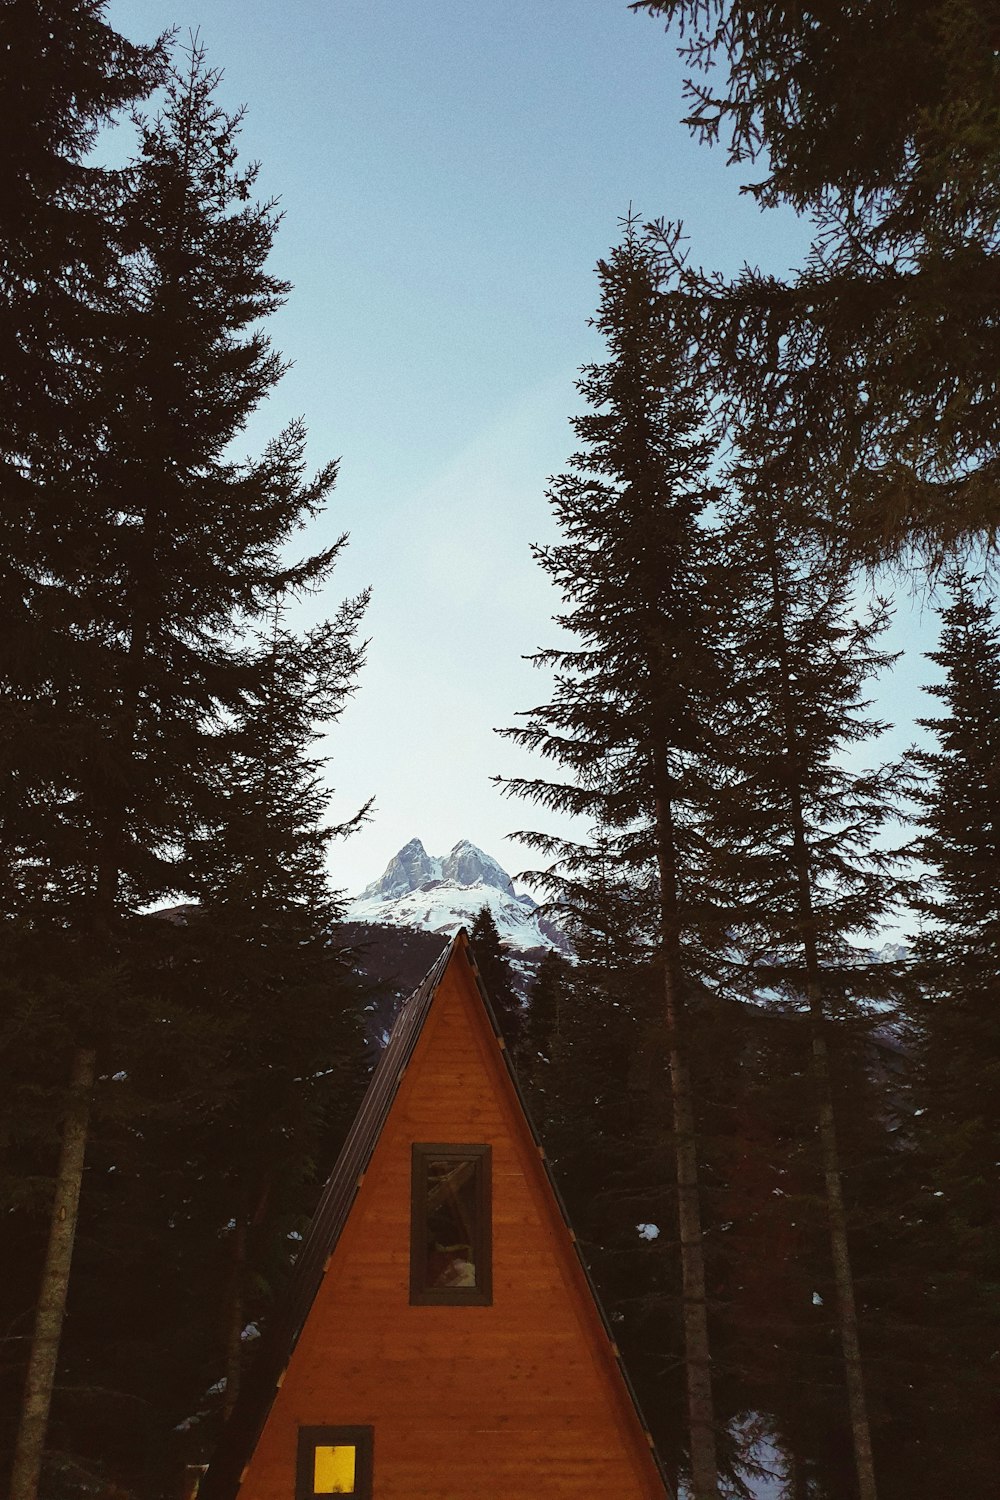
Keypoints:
pixel 361 1439
pixel 480 1295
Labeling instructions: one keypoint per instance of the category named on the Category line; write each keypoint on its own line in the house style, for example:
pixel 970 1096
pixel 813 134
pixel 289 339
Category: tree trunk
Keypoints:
pixel 847 1313
pixel 697 1358
pixel 40 1378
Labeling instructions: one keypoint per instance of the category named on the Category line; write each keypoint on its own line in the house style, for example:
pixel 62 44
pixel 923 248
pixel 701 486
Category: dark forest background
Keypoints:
pixel 778 1144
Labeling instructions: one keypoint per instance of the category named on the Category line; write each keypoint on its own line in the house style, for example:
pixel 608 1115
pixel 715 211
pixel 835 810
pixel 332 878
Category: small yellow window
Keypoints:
pixel 334 1461
pixel 334 1470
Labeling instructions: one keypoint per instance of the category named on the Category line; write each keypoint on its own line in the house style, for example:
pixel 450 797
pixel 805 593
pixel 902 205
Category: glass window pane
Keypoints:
pixel 334 1470
pixel 452 1207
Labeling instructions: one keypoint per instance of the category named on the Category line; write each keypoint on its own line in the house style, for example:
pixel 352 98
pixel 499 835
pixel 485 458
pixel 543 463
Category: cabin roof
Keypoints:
pixel 244 1426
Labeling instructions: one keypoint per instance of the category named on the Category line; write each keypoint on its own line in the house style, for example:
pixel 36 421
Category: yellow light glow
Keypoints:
pixel 333 1471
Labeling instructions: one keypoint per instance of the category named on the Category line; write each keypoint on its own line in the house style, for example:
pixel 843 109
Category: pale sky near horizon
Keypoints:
pixel 450 172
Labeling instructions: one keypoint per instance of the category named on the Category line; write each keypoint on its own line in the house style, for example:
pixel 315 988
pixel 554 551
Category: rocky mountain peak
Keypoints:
pixel 434 894
pixel 468 865
pixel 407 871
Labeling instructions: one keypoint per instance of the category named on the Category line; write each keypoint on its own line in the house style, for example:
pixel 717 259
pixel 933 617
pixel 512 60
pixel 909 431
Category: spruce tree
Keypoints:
pixel 261 954
pixel 871 371
pixel 494 966
pixel 182 550
pixel 795 834
pixel 628 719
pixel 200 1185
pixel 596 1077
pixel 959 946
pixel 64 73
pixel 956 1026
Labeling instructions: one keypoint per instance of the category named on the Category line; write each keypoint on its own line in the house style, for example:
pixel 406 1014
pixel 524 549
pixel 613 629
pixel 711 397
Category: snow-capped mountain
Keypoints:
pixel 439 894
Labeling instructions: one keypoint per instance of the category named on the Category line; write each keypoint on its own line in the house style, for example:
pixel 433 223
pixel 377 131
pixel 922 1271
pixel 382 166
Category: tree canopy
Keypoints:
pixel 868 376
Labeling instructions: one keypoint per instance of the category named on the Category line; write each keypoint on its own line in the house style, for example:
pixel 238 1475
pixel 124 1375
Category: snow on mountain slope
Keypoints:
pixel 418 889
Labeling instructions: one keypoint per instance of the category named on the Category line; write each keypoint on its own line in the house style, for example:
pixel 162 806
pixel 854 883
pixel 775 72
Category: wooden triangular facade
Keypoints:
pixel 508 1388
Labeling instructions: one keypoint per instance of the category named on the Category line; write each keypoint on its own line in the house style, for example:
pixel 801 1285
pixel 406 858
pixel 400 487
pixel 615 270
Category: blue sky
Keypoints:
pixel 449 173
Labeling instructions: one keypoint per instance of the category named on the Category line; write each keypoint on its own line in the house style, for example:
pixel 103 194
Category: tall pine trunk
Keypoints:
pixel 40 1379
pixel 847 1313
pixel 697 1356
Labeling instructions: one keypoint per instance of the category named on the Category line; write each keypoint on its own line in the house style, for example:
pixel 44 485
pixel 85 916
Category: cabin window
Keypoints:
pixel 334 1461
pixel 450 1229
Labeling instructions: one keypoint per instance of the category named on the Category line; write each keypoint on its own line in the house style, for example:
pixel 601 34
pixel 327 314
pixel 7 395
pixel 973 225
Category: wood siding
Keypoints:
pixel 519 1399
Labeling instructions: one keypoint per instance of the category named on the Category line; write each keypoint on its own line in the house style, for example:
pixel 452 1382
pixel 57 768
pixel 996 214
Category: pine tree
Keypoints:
pixel 956 1022
pixel 183 547
pixel 959 948
pixel 270 956
pixel 795 835
pixel 628 718
pixel 494 966
pixel 260 956
pixel 871 372
pixel 596 1076
pixel 200 1186
pixel 64 73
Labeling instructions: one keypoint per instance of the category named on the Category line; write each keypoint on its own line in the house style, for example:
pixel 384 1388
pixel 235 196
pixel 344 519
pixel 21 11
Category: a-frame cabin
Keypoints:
pixel 441 1339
